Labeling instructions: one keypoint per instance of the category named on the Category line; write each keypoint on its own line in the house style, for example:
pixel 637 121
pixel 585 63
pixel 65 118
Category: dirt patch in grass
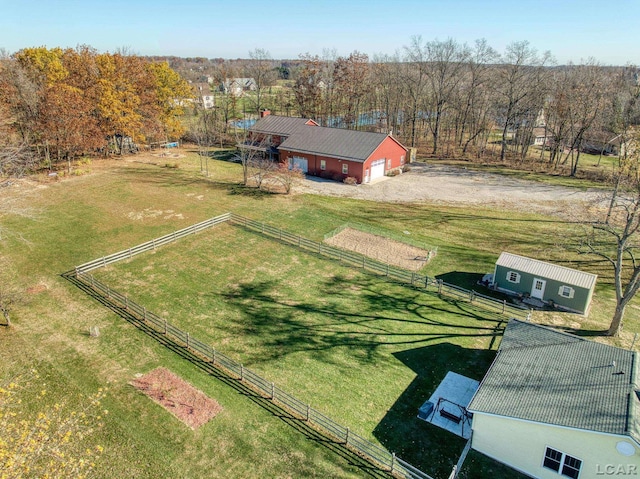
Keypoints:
pixel 190 405
pixel 381 248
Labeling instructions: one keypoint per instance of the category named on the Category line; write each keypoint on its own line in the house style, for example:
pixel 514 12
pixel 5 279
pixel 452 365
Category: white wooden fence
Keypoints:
pixel 375 454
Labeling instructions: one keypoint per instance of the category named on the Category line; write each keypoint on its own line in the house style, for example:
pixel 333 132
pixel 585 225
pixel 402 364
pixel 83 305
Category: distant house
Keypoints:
pixel 606 144
pixel 548 283
pixel 328 152
pixel 554 405
pixel 542 136
pixel 237 86
pixel 205 96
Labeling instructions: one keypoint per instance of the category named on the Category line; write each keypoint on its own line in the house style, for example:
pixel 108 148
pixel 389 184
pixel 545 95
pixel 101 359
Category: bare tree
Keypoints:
pixel 287 177
pixel 388 91
pixel 445 64
pixel 414 79
pixel 475 99
pixel 260 68
pixel 519 87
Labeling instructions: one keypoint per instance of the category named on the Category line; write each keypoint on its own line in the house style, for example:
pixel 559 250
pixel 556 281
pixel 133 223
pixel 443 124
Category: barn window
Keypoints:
pixel 389 164
pixel 562 463
pixel 566 291
pixel 513 277
pixel 323 164
pixel 345 168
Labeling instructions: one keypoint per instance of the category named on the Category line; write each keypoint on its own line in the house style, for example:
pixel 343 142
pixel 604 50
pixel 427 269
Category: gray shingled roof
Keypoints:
pixel 547 376
pixel 547 270
pixel 279 125
pixel 333 142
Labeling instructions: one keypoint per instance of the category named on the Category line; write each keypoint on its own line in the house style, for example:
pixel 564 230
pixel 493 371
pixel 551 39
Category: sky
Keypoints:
pixel 572 30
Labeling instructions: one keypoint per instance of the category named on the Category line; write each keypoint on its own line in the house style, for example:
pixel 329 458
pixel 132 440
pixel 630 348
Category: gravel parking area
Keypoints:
pixel 458 186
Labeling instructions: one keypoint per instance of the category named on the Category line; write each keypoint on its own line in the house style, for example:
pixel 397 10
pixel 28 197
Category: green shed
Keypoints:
pixel 548 283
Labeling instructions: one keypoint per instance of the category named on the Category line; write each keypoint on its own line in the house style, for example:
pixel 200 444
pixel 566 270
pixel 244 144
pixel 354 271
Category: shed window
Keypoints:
pixel 562 463
pixel 323 164
pixel 513 277
pixel 345 168
pixel 566 291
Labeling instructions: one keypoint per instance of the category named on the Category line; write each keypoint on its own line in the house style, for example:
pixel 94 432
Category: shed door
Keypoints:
pixel 299 163
pixel 377 169
pixel 538 288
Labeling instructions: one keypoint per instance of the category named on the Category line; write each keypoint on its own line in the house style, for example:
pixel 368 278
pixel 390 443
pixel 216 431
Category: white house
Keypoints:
pixel 205 96
pixel 555 405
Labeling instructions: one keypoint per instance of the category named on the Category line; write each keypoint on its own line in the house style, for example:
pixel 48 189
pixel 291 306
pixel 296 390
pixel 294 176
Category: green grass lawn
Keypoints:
pixel 375 350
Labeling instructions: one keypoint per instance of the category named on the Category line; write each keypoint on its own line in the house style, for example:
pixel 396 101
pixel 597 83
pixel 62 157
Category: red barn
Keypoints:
pixel 328 152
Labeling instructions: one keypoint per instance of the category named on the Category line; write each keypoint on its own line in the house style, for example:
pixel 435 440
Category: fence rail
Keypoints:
pixel 378 267
pixel 375 454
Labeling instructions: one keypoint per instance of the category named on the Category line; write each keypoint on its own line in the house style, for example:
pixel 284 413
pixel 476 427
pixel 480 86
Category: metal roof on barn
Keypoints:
pixel 547 270
pixel 338 143
pixel 280 125
pixel 555 378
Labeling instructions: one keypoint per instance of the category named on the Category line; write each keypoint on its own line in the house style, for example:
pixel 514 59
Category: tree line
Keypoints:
pixel 448 98
pixel 57 104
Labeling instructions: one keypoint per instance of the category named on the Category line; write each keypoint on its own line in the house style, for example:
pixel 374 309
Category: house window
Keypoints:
pixel 566 291
pixel 513 277
pixel 562 463
pixel 323 164
pixel 345 168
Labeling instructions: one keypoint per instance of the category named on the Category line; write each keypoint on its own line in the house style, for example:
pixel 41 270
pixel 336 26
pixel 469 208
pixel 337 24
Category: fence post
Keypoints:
pixel 308 412
pixel 504 305
pixel 130 255
pixel 108 292
pixel 165 327
pixel 93 282
pixel 364 259
pixel 413 277
pixel 471 296
pixel 454 472
pixel 273 391
pixel 393 461
pixel 440 286
pixel 346 441
pixel 126 303
pixel 213 356
pixel 187 340
pixel 104 261
pixel 153 242
pixel 241 372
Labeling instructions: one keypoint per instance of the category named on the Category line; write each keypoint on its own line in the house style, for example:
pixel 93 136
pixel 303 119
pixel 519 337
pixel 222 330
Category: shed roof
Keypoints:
pixel 552 377
pixel 547 270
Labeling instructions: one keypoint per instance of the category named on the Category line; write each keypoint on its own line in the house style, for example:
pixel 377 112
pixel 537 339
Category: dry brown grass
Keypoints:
pixel 190 405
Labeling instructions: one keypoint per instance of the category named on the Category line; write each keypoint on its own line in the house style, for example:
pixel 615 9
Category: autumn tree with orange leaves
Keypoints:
pixel 66 103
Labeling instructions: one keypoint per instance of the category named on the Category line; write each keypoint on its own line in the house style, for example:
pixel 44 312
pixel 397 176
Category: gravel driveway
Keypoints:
pixel 457 186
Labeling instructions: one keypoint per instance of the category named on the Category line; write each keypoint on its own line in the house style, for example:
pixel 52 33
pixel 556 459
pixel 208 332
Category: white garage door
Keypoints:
pixel 299 163
pixel 377 169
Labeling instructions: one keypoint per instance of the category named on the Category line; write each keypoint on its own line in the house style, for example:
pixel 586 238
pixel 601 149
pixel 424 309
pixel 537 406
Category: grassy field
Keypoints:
pixel 365 352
